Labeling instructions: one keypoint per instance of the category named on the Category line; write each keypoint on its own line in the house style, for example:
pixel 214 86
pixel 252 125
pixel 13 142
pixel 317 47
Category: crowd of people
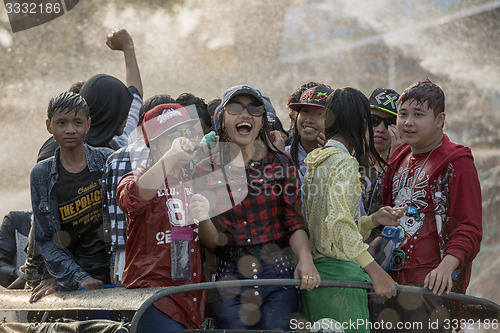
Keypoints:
pixel 176 191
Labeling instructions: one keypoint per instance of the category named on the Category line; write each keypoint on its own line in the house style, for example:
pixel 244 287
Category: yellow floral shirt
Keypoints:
pixel 332 193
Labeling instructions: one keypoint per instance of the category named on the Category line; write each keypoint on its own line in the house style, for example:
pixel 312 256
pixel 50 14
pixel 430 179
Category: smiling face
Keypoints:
pixel 310 122
pixel 69 129
pixel 419 127
pixel 242 129
pixel 381 136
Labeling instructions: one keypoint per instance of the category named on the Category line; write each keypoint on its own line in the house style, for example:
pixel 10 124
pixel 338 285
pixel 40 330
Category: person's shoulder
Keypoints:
pixel 102 151
pixel 455 148
pixel 286 152
pixel 335 154
pixel 45 162
pixel 43 167
pixel 400 152
pixel 19 220
pixel 133 175
pixel 452 152
pixel 338 162
pixel 277 157
pixel 19 214
pixel 344 161
pixel 119 154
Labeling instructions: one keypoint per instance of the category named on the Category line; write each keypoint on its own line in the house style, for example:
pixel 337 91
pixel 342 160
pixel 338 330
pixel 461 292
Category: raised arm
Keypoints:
pixel 181 152
pixel 120 40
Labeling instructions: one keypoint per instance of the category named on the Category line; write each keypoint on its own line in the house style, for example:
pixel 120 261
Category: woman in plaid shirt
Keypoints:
pixel 248 203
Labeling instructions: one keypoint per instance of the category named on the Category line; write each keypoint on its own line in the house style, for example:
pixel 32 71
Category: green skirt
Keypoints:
pixel 348 306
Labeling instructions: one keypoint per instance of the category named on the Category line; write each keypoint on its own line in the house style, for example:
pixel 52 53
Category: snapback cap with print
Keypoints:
pixel 315 96
pixel 385 100
pixel 162 118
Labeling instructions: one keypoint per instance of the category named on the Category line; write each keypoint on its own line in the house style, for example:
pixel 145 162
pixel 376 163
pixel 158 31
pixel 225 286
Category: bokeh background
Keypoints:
pixel 206 46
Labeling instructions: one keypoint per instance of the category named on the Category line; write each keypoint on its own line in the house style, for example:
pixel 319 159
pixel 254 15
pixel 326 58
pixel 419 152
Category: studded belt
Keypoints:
pixel 281 262
pixel 264 251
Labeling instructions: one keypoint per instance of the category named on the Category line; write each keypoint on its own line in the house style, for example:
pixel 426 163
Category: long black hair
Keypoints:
pixel 348 115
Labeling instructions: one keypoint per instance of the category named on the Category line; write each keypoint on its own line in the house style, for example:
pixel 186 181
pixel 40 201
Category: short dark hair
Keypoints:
pixel 75 87
pixel 186 99
pixel 68 101
pixel 424 91
pixel 152 102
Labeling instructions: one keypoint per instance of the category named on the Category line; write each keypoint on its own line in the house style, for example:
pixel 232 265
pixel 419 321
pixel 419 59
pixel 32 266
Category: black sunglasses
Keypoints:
pixel 235 108
pixel 376 120
pixel 191 133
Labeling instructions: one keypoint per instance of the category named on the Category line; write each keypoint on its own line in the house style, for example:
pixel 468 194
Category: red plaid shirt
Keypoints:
pixel 261 204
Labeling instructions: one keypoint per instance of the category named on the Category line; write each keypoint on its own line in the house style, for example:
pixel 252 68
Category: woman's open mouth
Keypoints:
pixel 244 128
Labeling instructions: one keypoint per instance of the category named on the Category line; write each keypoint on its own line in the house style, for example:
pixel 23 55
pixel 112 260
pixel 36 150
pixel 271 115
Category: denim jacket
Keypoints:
pixel 60 262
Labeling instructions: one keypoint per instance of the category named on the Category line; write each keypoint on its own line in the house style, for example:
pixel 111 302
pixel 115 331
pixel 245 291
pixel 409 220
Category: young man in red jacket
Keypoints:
pixel 162 247
pixel 438 181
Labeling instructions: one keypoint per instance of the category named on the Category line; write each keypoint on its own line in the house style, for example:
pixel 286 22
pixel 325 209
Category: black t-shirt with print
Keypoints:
pixel 79 197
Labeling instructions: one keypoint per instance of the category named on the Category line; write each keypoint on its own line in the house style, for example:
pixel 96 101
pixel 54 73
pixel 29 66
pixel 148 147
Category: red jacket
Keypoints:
pixel 148 246
pixel 448 195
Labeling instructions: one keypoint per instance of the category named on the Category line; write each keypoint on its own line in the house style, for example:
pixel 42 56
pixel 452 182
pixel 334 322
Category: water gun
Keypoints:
pixel 391 237
pixel 209 141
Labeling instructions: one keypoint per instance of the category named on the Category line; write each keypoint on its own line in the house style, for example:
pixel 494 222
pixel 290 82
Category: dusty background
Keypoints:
pixel 207 46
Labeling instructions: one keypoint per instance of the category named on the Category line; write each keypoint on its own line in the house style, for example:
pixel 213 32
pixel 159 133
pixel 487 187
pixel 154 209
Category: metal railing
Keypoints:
pixel 493 307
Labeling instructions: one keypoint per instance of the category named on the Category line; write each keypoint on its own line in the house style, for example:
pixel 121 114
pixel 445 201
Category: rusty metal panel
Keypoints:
pixel 103 299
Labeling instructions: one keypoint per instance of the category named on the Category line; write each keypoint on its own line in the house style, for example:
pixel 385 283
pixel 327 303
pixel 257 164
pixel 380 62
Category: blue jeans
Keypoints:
pixel 255 308
pixel 155 321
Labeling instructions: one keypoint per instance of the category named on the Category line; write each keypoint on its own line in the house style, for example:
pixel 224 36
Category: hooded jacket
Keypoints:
pixel 456 227
pixel 332 192
pixel 109 102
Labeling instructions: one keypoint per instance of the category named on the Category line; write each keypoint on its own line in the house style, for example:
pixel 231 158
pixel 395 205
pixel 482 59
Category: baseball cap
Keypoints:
pixel 216 119
pixel 385 100
pixel 315 96
pixel 240 90
pixel 163 118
